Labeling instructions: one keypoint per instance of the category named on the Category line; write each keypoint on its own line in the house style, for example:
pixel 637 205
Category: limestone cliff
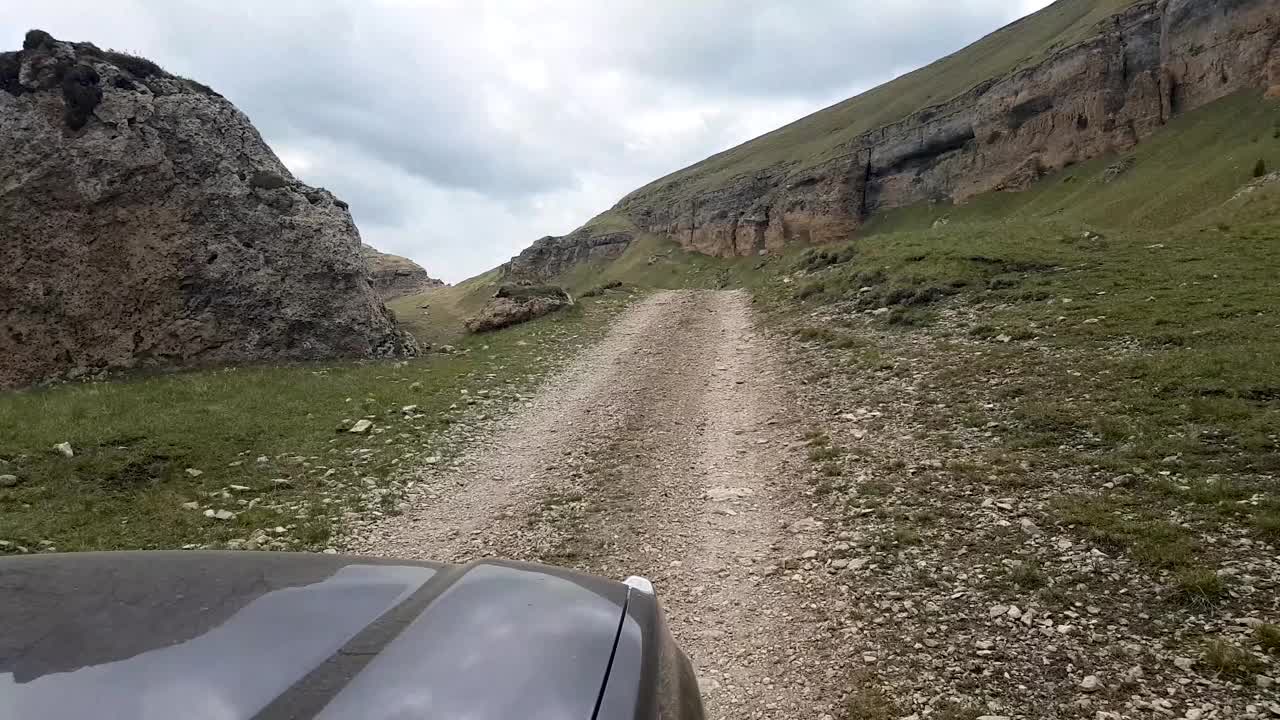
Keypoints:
pixel 394 276
pixel 146 223
pixel 1099 93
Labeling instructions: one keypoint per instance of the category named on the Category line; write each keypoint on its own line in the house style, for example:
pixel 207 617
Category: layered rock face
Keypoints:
pixel 146 223
pixel 1151 61
pixel 551 255
pixel 394 276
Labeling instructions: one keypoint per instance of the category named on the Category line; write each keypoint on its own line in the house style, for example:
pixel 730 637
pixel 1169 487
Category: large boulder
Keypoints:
pixel 146 223
pixel 514 304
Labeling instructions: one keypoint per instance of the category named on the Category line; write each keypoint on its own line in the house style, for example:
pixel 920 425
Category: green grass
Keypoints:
pixel 1199 588
pixel 135 439
pixel 655 262
pixel 1130 527
pixel 435 316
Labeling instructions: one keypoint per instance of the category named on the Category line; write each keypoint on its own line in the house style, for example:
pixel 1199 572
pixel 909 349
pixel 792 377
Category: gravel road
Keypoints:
pixel 668 450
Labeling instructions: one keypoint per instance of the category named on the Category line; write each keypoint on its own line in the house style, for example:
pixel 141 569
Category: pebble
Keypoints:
pixel 65 449
pixel 8 480
pixel 361 427
pixel 192 472
pixel 1090 683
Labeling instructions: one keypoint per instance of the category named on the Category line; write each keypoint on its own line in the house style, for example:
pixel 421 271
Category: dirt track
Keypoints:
pixel 609 470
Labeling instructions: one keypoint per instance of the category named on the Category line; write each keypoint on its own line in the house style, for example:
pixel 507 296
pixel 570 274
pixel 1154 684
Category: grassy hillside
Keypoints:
pixel 435 316
pixel 817 137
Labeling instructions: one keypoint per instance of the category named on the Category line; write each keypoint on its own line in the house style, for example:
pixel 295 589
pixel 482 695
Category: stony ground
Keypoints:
pixel 830 537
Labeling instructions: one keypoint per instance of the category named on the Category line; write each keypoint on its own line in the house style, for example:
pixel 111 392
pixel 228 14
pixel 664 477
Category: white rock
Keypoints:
pixel 806 525
pixel 721 494
pixel 809 555
pixel 191 505
pixel 330 551
pixel 432 460
pixel 997 610
pixel 1014 612
pixel 1184 663
pixel 65 449
pixel 361 427
pixel 1090 683
pixel 8 480
pixel 192 472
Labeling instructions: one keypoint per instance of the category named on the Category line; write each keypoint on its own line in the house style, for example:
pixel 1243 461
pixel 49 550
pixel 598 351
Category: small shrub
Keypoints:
pixel 1028 575
pixel 1199 588
pixel 810 289
pixel 820 454
pixel 908 317
pixel 821 334
pixel 870 703
pixel 906 535
pixel 874 488
pixel 1227 660
pixel 1268 636
pixel 1260 169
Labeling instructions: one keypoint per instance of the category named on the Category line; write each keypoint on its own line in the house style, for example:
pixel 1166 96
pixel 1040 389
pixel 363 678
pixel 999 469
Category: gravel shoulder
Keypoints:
pixel 671 450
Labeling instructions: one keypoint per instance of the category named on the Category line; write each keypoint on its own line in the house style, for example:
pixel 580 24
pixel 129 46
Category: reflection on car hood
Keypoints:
pixel 225 636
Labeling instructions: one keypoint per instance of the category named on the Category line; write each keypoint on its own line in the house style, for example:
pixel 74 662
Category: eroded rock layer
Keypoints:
pixel 394 276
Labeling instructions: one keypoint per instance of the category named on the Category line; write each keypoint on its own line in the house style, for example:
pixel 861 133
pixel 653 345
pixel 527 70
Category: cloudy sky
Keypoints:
pixel 462 130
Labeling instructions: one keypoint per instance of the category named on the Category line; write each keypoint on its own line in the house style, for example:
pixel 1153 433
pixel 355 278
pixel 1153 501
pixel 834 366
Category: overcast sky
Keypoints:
pixel 462 130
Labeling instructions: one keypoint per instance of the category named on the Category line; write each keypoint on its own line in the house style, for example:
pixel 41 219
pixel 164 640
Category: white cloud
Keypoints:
pixel 461 130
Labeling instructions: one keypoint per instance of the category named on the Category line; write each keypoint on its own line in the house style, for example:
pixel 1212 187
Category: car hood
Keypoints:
pixel 225 636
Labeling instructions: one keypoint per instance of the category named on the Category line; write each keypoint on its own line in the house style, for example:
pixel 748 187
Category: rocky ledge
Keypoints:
pixel 394 276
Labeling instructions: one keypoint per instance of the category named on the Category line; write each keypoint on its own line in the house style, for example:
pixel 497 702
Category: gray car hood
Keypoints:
pixel 231 636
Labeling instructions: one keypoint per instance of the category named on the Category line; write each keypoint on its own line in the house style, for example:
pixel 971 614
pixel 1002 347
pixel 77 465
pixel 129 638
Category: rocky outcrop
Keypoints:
pixel 514 304
pixel 146 223
pixel 1153 60
pixel 394 276
pixel 550 256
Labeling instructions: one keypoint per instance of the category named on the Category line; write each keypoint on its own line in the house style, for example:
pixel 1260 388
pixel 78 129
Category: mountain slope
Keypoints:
pixel 1078 80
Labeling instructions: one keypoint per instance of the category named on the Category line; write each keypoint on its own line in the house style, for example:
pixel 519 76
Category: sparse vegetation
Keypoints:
pixel 1199 588
pixel 1268 638
pixel 1230 661
pixel 1028 575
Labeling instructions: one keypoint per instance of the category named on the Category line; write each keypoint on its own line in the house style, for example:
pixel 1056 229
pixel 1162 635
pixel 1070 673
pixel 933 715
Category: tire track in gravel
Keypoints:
pixel 609 471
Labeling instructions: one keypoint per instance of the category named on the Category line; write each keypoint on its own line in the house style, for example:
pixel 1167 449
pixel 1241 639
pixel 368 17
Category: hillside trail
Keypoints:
pixel 668 450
